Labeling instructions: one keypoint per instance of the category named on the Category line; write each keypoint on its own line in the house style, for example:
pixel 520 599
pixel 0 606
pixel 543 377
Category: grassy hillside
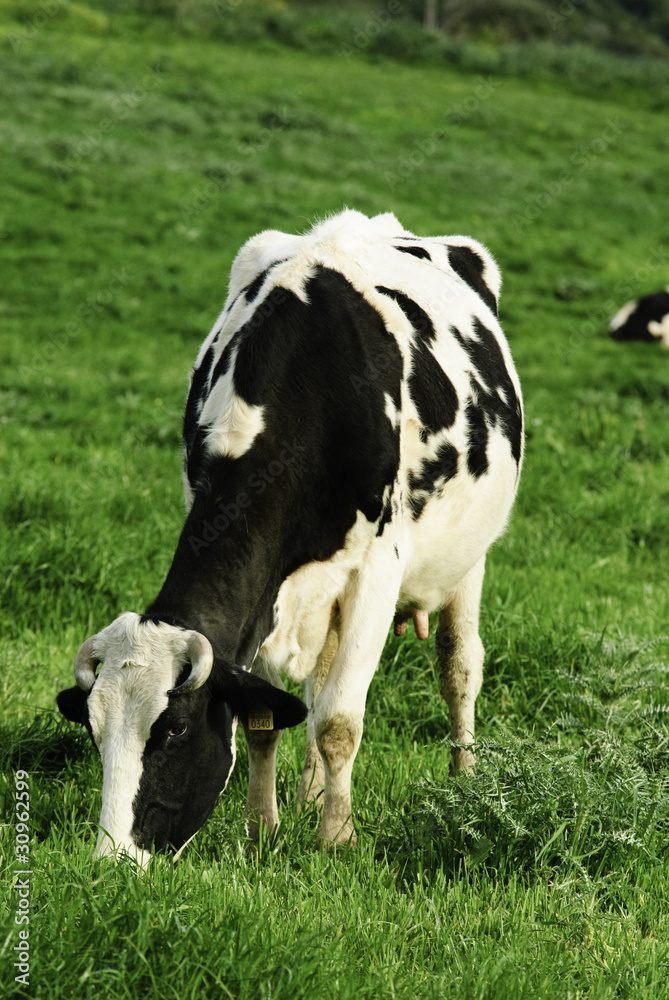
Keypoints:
pixel 136 163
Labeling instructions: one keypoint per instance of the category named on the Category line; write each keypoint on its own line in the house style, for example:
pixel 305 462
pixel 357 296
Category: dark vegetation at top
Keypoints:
pixel 627 27
pixel 589 44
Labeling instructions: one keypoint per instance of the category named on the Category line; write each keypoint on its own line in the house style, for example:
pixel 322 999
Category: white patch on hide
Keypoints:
pixel 233 423
pixel 623 315
pixel 393 414
pixel 660 330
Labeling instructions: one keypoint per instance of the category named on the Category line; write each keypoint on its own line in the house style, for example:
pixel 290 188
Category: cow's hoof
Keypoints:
pixel 345 836
pixel 463 762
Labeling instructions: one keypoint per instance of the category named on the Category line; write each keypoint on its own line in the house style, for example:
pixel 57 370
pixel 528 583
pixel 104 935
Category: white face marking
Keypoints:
pixel 122 708
pixel 140 664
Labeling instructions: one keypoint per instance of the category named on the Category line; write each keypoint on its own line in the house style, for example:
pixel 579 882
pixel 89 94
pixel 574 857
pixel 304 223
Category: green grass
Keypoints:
pixel 135 166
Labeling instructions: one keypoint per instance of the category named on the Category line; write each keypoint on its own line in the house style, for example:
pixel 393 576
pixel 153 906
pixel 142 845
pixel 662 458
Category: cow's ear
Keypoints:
pixel 252 698
pixel 72 704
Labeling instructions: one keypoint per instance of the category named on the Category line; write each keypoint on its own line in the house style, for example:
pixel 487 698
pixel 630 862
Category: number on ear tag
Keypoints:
pixel 262 719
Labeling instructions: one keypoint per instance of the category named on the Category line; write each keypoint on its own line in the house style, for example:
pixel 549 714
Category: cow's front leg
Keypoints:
pixel 261 804
pixel 366 615
pixel 460 652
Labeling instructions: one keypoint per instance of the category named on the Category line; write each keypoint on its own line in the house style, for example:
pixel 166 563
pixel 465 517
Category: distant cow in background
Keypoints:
pixel 353 442
pixel 643 319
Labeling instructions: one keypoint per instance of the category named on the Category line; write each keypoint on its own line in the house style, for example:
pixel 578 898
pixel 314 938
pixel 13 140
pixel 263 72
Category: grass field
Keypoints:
pixel 134 167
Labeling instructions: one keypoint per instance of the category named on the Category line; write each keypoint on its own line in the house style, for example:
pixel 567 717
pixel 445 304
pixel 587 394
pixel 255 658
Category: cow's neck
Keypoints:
pixel 223 582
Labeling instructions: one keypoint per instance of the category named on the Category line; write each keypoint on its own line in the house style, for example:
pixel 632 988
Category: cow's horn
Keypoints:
pixel 85 664
pixel 201 656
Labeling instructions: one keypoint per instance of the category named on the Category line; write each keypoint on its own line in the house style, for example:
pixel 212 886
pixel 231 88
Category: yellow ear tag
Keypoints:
pixel 261 720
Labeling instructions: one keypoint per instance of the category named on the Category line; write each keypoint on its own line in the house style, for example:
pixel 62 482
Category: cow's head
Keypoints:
pixel 163 715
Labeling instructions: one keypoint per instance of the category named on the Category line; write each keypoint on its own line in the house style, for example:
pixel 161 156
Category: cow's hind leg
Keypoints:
pixel 312 781
pixel 460 652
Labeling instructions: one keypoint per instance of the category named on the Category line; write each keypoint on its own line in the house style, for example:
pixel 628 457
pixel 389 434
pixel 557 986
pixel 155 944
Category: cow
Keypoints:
pixel 646 318
pixel 353 440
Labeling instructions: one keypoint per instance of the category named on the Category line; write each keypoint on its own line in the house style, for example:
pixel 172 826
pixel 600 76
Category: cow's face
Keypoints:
pixel 163 717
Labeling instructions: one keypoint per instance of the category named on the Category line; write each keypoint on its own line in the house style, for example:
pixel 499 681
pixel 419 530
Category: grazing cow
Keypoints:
pixel 353 441
pixel 643 319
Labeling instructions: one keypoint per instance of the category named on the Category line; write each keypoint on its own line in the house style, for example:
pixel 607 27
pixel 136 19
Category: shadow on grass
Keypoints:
pixel 43 745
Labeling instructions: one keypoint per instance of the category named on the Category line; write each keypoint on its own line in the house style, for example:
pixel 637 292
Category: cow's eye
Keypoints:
pixel 178 729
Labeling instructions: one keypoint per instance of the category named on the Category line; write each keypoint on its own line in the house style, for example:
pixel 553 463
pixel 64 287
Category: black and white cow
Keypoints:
pixel 643 319
pixel 353 443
